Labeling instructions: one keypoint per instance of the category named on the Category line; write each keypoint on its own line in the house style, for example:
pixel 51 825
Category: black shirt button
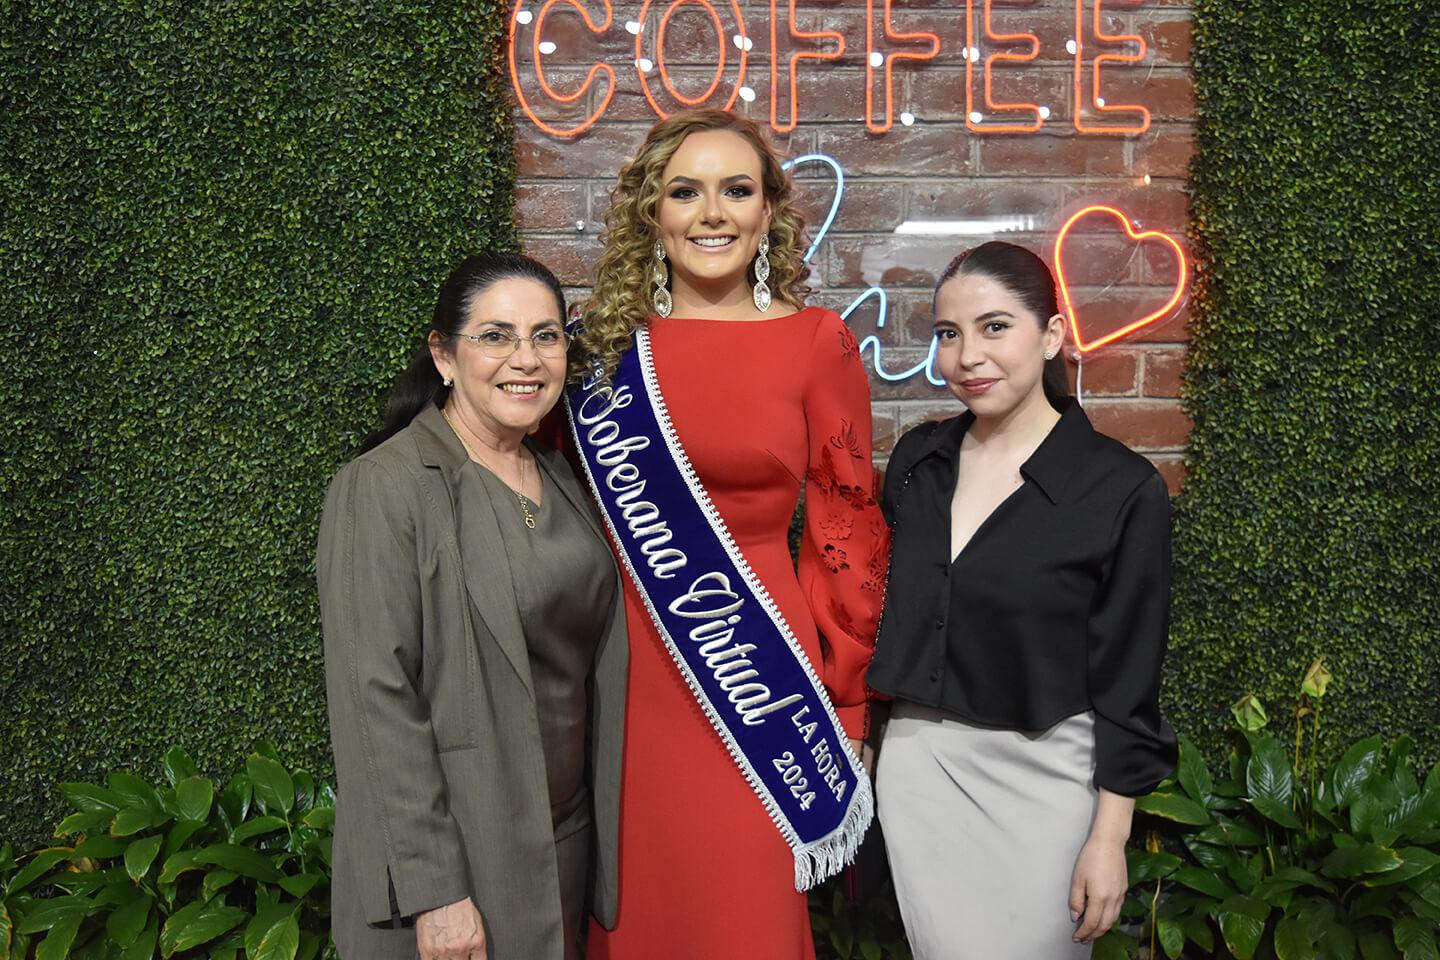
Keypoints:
pixel 934 676
pixel 939 623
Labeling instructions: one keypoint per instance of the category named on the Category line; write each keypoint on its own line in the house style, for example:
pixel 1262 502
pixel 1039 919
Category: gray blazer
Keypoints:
pixel 442 785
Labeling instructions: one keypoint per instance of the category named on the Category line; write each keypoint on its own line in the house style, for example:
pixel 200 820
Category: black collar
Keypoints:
pixel 1052 464
pixel 1055 461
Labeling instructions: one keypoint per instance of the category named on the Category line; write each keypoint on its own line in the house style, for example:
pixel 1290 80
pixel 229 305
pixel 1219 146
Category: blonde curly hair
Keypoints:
pixel 620 299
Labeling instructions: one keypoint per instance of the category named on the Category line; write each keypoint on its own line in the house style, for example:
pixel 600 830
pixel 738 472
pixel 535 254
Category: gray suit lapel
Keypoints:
pixel 488 576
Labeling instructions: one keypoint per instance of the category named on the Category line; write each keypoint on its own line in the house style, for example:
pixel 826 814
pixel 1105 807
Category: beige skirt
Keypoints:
pixel 982 828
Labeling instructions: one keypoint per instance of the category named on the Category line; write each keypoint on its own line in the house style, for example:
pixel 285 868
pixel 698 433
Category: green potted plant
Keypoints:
pixel 181 870
pixel 1283 859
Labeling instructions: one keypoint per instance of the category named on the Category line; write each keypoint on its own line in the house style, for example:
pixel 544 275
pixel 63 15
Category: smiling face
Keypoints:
pixel 500 400
pixel 712 213
pixel 991 348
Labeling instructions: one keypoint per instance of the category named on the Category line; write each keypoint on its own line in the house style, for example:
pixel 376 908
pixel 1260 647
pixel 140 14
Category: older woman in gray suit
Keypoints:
pixel 475 653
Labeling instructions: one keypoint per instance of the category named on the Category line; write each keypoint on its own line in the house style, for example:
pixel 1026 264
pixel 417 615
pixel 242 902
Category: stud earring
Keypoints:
pixel 660 275
pixel 449 382
pixel 1049 354
pixel 761 293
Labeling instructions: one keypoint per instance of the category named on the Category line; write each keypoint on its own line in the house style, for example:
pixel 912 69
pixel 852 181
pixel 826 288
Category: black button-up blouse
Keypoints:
pixel 1060 602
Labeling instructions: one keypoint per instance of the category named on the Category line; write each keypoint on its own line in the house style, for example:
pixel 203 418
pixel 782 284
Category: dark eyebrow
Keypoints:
pixel 508 326
pixel 692 182
pixel 984 317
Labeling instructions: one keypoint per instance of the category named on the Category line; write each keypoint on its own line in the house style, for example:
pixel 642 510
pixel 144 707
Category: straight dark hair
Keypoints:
pixel 420 383
pixel 1027 277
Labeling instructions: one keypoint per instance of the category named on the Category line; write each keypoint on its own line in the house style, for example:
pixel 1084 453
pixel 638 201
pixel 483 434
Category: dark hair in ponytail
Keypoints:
pixel 420 383
pixel 1030 280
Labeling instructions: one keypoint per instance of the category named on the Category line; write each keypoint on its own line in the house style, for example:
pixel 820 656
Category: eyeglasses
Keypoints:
pixel 499 344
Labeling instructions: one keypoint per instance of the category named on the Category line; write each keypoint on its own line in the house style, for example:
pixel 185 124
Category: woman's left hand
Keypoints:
pixel 1097 888
pixel 1098 885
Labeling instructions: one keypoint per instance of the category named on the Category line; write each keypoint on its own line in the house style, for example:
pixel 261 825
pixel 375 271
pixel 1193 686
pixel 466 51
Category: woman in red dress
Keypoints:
pixel 767 398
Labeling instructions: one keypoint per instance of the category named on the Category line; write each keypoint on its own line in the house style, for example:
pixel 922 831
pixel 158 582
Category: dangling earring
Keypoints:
pixel 761 293
pixel 660 274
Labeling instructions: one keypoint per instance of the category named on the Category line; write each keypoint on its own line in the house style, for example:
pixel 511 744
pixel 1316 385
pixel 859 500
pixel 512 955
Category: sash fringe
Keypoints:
pixel 820 861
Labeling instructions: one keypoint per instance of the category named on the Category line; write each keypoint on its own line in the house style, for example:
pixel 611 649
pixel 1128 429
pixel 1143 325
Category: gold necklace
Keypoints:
pixel 519 495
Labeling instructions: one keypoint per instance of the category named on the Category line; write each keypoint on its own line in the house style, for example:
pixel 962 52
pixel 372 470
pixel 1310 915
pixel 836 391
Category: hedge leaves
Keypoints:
pixel 224 224
pixel 1310 520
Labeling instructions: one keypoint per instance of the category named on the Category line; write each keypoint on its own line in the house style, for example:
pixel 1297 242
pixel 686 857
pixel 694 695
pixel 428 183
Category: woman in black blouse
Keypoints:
pixel 1024 629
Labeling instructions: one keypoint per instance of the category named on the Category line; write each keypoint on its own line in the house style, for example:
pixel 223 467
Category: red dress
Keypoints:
pixel 760 407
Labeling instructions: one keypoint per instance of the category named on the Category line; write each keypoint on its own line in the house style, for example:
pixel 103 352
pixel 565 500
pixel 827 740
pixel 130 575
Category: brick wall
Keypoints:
pixel 1015 174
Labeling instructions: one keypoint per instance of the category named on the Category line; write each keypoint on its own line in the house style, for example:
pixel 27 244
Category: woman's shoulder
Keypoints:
pixel 831 341
pixel 1119 469
pixel 922 431
pixel 398 450
pixel 382 471
pixel 913 441
pixel 818 314
pixel 1119 460
pixel 817 318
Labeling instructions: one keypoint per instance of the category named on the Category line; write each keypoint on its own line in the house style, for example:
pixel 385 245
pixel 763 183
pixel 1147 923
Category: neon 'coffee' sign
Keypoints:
pixel 790 47
pixel 584 77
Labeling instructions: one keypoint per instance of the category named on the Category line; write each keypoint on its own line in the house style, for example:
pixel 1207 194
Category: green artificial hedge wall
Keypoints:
pixel 224 222
pixel 1310 521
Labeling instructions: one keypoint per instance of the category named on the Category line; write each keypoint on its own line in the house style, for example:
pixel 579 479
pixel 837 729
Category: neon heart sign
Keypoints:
pixel 1067 304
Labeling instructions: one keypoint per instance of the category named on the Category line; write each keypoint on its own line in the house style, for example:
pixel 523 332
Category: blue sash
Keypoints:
pixel 732 645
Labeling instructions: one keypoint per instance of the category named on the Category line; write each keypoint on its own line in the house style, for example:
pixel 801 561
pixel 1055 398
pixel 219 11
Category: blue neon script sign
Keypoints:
pixel 872 342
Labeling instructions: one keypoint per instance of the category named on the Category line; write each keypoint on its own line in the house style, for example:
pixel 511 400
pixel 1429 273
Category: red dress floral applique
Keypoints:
pixel 836 526
pixel 848 440
pixel 878 566
pixel 834 558
pixel 859 498
pixel 849 346
pixel 822 475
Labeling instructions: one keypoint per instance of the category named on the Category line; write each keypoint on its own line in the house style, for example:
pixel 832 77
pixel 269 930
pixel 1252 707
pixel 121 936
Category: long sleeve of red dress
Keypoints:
pixel 845 545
